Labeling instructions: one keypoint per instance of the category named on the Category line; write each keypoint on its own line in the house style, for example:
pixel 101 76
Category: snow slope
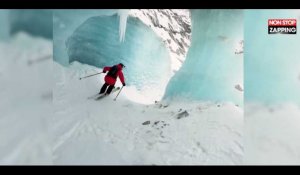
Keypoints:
pixel 26 100
pixel 86 131
pixel 46 118
pixel 272 134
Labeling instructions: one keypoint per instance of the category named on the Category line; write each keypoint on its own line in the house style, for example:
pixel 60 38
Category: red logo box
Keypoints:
pixel 282 26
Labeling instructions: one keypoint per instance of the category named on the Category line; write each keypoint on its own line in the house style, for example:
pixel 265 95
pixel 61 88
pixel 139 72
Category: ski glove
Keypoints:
pixel 124 84
pixel 104 71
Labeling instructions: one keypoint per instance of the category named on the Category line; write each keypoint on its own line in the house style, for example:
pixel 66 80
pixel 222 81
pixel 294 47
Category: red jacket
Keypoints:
pixel 112 81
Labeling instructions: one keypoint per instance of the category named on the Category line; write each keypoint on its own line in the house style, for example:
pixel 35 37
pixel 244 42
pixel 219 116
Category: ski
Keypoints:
pixel 94 96
pixel 99 96
pixel 102 95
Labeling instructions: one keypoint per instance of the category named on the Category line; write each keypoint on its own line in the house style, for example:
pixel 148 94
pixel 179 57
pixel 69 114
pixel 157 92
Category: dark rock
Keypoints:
pixel 182 114
pixel 238 87
pixel 146 122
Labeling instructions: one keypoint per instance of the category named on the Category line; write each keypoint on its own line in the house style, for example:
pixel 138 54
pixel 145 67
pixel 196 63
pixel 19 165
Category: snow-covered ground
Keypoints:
pixel 47 118
pixel 86 131
pixel 72 129
pixel 272 134
pixel 26 100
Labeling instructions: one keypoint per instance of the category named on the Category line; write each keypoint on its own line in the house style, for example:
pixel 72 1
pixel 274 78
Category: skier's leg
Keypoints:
pixel 109 89
pixel 103 88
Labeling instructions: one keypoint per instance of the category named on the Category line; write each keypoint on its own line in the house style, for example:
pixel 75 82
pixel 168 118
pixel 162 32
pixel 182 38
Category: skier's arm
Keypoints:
pixel 121 76
pixel 105 69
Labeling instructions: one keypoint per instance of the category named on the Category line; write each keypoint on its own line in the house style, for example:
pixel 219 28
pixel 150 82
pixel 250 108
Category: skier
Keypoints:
pixel 111 77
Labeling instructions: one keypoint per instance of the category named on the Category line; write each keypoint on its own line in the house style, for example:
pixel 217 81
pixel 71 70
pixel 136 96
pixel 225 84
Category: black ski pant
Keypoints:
pixel 109 89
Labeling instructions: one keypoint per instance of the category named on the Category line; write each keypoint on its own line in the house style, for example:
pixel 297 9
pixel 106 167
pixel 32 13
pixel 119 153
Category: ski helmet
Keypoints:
pixel 122 65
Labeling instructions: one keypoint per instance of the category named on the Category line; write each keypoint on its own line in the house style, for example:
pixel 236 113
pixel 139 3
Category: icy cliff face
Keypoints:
pixel 4 21
pixel 173 26
pixel 97 42
pixel 34 22
pixel 65 22
pixel 272 95
pixel 272 61
pixel 213 69
pixel 151 43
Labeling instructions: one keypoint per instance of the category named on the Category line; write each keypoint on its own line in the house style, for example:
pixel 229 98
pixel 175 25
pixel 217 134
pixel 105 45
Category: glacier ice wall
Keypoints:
pixel 34 22
pixel 96 42
pixel 65 23
pixel 212 69
pixel 94 39
pixel 4 23
pixel 272 62
pixel 173 26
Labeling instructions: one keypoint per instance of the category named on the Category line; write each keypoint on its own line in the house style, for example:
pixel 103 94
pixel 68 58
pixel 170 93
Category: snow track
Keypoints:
pixel 130 133
pixel 64 127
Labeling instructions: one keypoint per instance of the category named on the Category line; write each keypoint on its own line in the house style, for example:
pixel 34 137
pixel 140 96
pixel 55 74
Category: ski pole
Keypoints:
pixel 90 75
pixel 118 93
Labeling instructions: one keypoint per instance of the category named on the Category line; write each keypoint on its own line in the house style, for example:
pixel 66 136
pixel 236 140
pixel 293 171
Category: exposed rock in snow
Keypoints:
pixel 161 104
pixel 182 114
pixel 239 87
pixel 146 123
pixel 173 26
